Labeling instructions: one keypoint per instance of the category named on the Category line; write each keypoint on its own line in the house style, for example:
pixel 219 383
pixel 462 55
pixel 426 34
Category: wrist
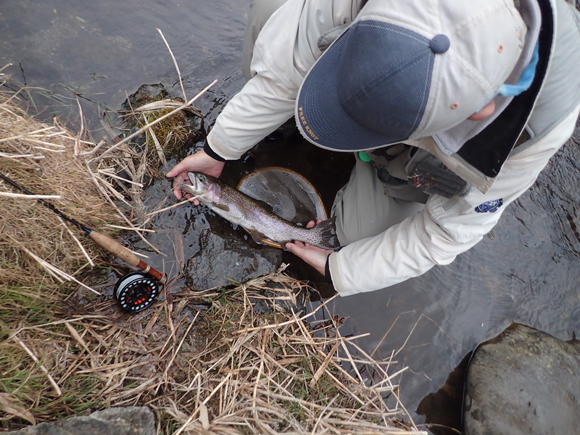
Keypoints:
pixel 211 153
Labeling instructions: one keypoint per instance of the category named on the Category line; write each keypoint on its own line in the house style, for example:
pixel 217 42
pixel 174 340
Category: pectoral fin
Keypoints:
pixel 257 236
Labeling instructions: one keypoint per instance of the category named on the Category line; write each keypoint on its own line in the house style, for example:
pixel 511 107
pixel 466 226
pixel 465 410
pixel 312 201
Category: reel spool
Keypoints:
pixel 136 292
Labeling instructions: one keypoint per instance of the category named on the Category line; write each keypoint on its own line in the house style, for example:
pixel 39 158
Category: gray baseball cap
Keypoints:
pixel 408 69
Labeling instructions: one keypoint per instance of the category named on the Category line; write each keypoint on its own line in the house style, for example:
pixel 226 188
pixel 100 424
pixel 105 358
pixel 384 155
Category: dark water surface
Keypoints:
pixel 526 270
pixel 103 50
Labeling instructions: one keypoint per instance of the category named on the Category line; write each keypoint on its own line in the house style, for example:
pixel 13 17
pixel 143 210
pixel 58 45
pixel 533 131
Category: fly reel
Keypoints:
pixel 136 292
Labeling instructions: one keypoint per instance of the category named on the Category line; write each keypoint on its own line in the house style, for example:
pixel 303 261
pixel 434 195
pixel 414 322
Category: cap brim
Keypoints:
pixel 319 114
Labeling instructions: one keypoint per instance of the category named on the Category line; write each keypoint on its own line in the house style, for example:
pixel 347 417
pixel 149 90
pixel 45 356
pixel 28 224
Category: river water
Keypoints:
pixel 526 270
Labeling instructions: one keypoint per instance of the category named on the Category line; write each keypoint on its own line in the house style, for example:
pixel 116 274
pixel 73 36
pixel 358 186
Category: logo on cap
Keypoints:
pixel 307 129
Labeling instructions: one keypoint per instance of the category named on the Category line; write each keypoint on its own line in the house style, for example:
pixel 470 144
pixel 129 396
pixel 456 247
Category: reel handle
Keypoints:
pixel 123 253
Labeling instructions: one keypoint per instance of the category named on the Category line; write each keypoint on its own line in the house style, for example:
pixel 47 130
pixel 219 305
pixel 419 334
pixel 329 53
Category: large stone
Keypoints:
pixel 113 421
pixel 224 259
pixel 524 381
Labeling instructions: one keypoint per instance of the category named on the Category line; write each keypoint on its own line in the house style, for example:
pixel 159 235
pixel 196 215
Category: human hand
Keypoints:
pixel 312 255
pixel 198 162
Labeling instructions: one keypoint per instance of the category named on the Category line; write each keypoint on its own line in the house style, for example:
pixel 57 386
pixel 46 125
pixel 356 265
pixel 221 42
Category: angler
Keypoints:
pixel 451 108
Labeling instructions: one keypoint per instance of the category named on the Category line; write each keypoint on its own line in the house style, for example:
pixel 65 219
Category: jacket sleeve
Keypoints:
pixel 284 52
pixel 445 228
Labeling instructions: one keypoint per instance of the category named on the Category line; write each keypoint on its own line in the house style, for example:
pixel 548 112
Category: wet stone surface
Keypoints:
pixel 113 421
pixel 146 93
pixel 523 382
pixel 223 260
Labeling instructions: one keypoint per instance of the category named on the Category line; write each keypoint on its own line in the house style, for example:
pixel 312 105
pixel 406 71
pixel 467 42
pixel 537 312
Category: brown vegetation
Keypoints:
pixel 201 360
pixel 40 158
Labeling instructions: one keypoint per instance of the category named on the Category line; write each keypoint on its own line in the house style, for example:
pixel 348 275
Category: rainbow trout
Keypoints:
pixel 261 223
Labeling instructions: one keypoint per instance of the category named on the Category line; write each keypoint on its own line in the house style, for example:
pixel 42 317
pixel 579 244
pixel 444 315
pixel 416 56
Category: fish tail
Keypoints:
pixel 326 231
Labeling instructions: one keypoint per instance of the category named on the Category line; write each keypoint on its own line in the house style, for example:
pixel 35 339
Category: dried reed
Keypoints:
pixel 203 361
pixel 54 173
pixel 80 177
pixel 206 363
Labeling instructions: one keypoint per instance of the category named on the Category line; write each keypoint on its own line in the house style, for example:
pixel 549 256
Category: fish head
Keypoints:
pixel 202 186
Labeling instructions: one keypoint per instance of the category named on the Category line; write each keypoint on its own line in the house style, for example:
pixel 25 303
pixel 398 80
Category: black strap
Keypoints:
pixel 212 153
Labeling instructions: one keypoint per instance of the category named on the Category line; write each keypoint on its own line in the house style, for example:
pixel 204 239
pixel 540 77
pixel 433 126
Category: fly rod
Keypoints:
pixel 103 241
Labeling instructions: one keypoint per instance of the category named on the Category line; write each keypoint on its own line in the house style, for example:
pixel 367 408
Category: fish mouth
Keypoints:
pixel 195 186
pixel 193 182
pixel 186 187
pixel 189 189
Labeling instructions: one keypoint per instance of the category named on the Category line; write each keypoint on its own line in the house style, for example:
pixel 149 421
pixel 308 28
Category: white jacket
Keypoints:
pixel 287 47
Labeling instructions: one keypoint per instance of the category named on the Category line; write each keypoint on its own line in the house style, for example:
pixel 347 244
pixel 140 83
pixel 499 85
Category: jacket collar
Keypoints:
pixel 488 151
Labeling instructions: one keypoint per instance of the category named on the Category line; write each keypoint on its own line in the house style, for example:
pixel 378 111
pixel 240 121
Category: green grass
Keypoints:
pixel 29 305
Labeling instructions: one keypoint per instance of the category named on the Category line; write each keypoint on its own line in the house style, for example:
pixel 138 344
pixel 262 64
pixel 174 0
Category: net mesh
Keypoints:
pixel 288 194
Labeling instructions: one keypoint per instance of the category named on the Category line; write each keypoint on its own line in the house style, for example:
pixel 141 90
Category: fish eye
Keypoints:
pixel 202 178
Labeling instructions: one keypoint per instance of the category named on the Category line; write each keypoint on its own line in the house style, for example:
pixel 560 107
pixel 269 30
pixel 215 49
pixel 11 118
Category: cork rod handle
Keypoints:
pixel 123 253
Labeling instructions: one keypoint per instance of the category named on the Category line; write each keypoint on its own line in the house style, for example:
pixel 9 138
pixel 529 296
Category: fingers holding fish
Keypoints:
pixel 312 224
pixel 198 162
pixel 303 245
pixel 313 255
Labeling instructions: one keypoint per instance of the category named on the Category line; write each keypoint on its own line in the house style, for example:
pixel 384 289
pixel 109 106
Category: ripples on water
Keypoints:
pixel 103 51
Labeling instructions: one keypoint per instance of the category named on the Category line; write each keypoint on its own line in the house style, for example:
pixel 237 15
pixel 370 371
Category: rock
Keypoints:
pixel 175 135
pixel 223 260
pixel 523 382
pixel 132 420
pixel 145 94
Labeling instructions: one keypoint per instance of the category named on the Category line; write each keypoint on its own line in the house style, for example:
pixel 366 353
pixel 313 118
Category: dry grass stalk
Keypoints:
pixel 79 176
pixel 109 173
pixel 174 63
pixel 57 177
pixel 201 360
pixel 57 389
pixel 60 275
pixel 205 361
pixel 158 146
pixel 27 197
pixel 132 229
pixel 79 244
pixel 8 406
pixel 172 206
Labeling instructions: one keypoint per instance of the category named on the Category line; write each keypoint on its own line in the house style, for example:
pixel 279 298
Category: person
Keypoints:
pixel 452 109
